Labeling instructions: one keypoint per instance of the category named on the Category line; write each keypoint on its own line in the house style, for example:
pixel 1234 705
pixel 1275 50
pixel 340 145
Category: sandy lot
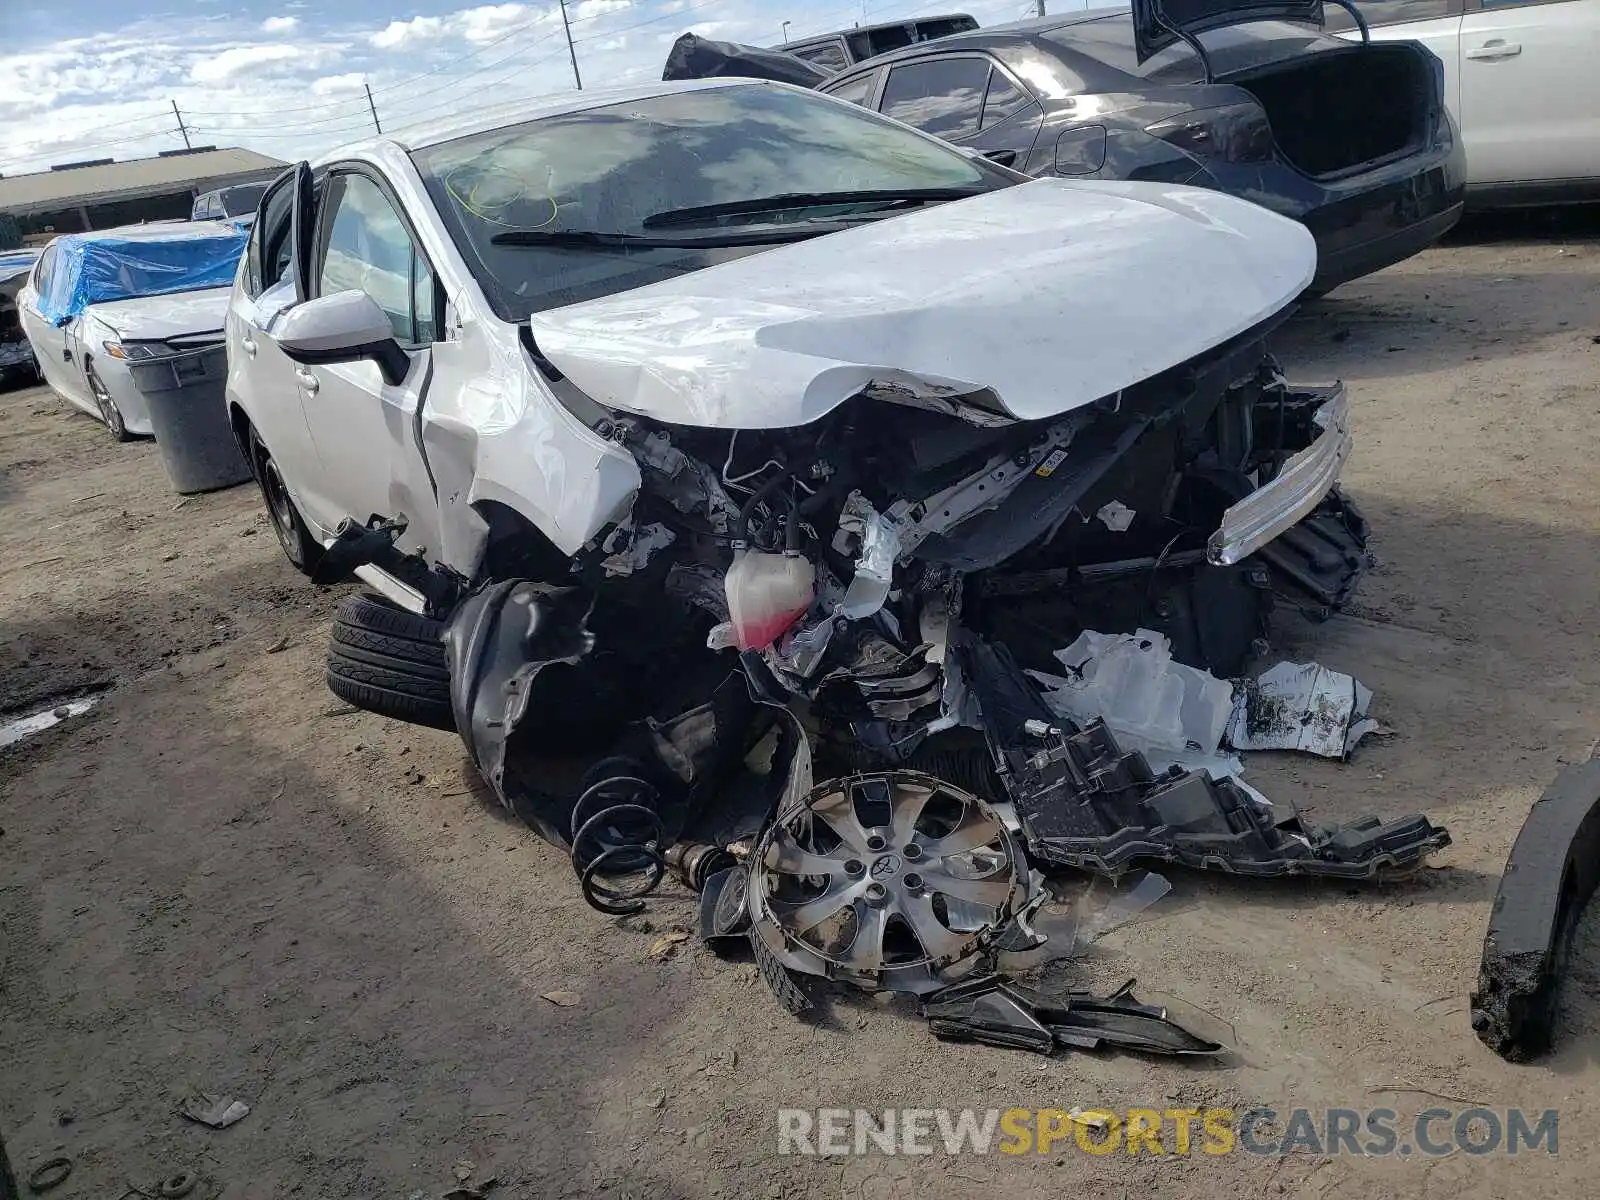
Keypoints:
pixel 220 882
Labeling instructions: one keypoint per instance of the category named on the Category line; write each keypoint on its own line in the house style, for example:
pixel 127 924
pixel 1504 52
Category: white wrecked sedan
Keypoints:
pixel 115 313
pixel 628 391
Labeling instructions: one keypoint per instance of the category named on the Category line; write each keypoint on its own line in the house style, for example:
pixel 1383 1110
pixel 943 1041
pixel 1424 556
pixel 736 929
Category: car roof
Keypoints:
pixel 560 104
pixel 1031 30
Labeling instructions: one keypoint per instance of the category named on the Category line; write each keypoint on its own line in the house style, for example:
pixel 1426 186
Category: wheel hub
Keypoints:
pixel 893 880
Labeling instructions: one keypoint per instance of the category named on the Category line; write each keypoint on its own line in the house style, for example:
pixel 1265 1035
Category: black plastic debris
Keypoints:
pixel 996 1012
pixel 694 57
pixel 1084 802
pixel 1550 876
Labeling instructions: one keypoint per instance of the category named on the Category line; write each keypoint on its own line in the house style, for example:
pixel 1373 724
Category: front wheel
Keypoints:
pixel 109 412
pixel 299 547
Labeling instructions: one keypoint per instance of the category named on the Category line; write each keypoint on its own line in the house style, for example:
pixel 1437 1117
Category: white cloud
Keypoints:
pixel 239 59
pixel 588 10
pixel 279 24
pixel 489 21
pixel 330 84
pixel 400 33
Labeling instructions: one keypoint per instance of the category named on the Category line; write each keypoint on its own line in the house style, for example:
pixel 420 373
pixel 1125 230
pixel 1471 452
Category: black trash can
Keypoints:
pixel 189 414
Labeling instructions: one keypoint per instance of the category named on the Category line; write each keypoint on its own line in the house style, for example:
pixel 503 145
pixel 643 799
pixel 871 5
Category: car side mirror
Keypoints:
pixel 343 327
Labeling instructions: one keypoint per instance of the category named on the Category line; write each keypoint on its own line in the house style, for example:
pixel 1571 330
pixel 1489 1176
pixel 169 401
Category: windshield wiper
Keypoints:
pixel 594 238
pixel 734 208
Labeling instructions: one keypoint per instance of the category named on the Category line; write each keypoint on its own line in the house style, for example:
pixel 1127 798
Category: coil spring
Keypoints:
pixel 616 832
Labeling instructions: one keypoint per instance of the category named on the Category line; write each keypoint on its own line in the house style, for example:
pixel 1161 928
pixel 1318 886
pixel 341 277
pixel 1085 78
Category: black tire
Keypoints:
pixel 388 660
pixel 109 412
pixel 301 549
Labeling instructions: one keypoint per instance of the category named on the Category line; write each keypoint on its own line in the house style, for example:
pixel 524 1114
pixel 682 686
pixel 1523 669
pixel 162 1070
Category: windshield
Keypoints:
pixel 607 169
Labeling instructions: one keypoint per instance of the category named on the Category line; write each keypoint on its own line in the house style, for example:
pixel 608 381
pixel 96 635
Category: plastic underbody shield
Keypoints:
pixel 1084 802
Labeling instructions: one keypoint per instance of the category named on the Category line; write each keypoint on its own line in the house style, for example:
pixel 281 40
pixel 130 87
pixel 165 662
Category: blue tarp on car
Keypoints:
pixel 16 262
pixel 148 260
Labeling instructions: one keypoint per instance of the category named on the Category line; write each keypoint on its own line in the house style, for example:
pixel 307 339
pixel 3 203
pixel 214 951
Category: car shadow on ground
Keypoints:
pixel 190 907
pixel 1555 223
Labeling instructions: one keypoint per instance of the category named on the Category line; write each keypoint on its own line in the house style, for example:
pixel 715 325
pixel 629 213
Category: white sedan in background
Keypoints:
pixel 1520 80
pixel 114 313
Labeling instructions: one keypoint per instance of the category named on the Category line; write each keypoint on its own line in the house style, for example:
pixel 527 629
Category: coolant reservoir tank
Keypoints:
pixel 767 593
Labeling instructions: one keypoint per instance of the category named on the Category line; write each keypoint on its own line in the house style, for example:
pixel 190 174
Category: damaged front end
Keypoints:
pixel 891 578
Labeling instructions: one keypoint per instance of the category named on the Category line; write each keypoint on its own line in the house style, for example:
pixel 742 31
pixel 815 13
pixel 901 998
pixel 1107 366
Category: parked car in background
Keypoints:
pixel 236 203
pixel 17 364
pixel 1354 141
pixel 1520 80
pixel 119 310
pixel 836 51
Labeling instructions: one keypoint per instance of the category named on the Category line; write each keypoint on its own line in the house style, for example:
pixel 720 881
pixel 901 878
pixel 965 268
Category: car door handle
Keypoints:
pixel 1495 48
pixel 248 345
pixel 308 382
pixel 1004 157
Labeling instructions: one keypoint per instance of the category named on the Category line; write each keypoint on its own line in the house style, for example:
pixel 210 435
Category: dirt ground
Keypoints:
pixel 221 882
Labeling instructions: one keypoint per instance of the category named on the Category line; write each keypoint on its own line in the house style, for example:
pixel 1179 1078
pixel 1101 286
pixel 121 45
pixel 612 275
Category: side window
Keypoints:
pixel 943 97
pixel 267 255
pixel 424 289
pixel 1390 12
pixel 42 270
pixel 1004 99
pixel 857 91
pixel 830 56
pixel 366 247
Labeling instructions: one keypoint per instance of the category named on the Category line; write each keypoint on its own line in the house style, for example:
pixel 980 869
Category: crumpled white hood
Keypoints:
pixel 1052 294
pixel 152 318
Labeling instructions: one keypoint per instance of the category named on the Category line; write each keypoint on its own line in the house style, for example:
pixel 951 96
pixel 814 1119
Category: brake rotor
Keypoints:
pixel 894 880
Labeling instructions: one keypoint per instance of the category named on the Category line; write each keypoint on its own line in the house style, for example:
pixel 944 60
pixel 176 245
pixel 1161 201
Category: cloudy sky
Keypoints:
pixel 97 78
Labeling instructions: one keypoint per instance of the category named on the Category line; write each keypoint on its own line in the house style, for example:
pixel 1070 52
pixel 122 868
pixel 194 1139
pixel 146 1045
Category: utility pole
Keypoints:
pixel 182 128
pixel 576 78
pixel 372 106
pixel 1041 8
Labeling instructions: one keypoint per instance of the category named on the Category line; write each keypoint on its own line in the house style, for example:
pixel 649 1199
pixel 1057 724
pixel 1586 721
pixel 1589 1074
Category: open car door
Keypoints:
pixel 303 226
pixel 261 379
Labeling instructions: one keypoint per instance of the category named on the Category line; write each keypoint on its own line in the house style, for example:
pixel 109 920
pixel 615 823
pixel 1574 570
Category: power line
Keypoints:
pixel 343 122
pixel 610 33
pixel 407 82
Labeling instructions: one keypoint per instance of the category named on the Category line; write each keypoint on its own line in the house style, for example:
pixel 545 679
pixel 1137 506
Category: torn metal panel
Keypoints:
pixel 1549 878
pixel 631 550
pixel 1301 706
pixel 878 545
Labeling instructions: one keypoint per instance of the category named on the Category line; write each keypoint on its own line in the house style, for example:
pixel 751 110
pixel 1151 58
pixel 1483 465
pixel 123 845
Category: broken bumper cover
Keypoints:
pixel 1551 874
pixel 1302 484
